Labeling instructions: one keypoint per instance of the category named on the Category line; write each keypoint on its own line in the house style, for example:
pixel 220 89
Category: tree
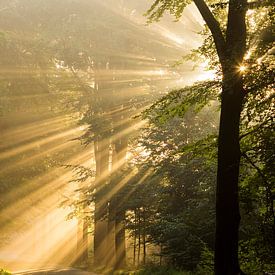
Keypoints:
pixel 230 44
pixel 177 192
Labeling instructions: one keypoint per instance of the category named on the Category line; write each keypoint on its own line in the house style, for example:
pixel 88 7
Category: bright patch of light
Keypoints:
pixel 242 68
pixel 144 153
pixel 175 38
pixel 250 12
pixel 160 72
pixel 248 55
pixel 259 60
pixel 206 74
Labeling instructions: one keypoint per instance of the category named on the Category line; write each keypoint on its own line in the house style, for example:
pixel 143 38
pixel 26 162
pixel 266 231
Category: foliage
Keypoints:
pixel 4 272
pixel 179 102
pixel 257 138
pixel 165 270
pixel 177 195
pixel 159 7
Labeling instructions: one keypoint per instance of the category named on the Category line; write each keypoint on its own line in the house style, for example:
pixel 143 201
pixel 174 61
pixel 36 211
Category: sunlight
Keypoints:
pixel 205 73
pixel 143 179
pixel 248 55
pixel 50 184
pixel 49 239
pixel 93 177
pixel 40 142
pixel 173 37
pixel 33 129
pixel 242 68
pixel 115 189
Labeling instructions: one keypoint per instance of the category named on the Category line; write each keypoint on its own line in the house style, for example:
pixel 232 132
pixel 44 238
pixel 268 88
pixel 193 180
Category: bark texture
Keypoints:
pixel 227 200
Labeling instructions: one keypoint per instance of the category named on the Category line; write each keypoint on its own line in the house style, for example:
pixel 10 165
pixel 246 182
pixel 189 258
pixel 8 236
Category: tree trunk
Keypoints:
pixel 135 238
pixel 119 160
pixel 82 237
pixel 120 240
pixel 227 200
pixel 85 241
pixel 160 257
pixel 144 237
pixel 111 251
pixel 139 237
pixel 78 259
pixel 101 149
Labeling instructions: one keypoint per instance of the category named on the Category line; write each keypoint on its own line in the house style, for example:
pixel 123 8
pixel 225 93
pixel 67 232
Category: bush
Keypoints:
pixel 160 270
pixel 4 272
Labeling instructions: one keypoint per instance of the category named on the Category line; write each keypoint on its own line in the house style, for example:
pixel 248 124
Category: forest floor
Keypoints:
pixel 65 271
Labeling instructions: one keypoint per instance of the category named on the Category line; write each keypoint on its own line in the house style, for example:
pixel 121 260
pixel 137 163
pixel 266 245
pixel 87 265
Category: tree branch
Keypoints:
pixel 269 195
pixel 250 5
pixel 214 27
pixel 255 129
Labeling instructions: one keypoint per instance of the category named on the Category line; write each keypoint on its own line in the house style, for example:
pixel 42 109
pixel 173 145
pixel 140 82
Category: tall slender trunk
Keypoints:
pixel 101 148
pixel 111 251
pixel 231 47
pixel 139 237
pixel 227 199
pixel 144 237
pixel 85 241
pixel 160 257
pixel 79 258
pixel 227 193
pixel 119 160
pixel 120 240
pixel 82 238
pixel 135 237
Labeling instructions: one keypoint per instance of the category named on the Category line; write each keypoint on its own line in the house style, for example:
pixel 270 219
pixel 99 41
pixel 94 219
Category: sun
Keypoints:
pixel 242 68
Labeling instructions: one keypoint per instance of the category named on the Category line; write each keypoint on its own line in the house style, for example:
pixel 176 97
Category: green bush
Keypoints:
pixel 160 270
pixel 4 272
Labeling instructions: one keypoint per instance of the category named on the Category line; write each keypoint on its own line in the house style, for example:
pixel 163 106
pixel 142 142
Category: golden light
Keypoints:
pixel 47 237
pixel 242 68
pixel 248 55
pixel 204 72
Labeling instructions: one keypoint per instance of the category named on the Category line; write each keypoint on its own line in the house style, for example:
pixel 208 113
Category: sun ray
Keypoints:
pixel 23 133
pixel 40 142
pixel 49 183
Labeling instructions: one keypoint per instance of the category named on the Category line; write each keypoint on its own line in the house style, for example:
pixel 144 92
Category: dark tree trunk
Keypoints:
pixel 120 240
pixel 139 237
pixel 144 237
pixel 100 236
pixel 160 257
pixel 101 149
pixel 135 239
pixel 227 200
pixel 227 194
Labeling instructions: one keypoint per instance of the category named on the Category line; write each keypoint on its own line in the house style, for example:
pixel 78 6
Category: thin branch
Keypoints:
pixel 250 5
pixel 255 129
pixel 269 196
pixel 214 27
pixel 256 167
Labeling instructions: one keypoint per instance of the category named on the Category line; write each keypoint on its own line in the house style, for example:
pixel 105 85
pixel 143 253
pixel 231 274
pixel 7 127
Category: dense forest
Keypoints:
pixel 137 137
